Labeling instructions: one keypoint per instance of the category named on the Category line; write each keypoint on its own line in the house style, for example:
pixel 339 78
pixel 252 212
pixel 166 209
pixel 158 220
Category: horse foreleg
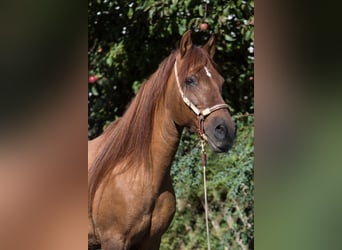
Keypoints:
pixel 151 244
pixel 113 242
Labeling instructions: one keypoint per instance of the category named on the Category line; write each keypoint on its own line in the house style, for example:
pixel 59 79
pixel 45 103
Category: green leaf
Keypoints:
pixel 130 13
pixel 136 85
pixel 229 38
pixel 182 27
pixel 200 10
pixel 226 12
pixel 109 61
pixel 94 91
pixel 248 35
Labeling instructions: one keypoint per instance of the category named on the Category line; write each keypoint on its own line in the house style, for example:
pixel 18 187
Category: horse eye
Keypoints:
pixel 190 81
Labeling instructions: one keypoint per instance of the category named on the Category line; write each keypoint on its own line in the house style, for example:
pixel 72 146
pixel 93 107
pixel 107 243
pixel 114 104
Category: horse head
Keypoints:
pixel 196 100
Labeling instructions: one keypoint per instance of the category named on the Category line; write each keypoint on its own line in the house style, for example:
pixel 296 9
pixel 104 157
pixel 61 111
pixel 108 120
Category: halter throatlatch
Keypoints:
pixel 201 114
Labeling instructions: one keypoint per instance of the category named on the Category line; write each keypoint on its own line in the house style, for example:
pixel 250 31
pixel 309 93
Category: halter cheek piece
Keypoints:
pixel 201 114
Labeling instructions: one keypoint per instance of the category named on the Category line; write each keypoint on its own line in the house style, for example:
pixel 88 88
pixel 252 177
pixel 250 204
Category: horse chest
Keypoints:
pixel 142 214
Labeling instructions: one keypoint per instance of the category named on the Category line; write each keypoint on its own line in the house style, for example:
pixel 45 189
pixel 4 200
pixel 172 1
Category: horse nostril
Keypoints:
pixel 220 129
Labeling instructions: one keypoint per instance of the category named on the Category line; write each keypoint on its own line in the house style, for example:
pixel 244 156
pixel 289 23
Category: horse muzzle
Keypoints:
pixel 220 133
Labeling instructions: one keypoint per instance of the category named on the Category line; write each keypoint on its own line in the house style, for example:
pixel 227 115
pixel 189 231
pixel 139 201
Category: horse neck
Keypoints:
pixel 165 140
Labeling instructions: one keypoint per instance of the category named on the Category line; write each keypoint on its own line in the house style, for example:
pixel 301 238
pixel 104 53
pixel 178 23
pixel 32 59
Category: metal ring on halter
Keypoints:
pixel 201 114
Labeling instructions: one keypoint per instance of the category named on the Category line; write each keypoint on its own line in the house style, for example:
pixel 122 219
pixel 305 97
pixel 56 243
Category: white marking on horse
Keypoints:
pixel 207 71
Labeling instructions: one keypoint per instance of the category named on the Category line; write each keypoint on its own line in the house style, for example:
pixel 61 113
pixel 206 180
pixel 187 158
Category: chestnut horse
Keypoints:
pixel 131 197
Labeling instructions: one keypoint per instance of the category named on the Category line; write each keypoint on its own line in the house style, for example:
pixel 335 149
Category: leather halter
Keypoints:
pixel 200 113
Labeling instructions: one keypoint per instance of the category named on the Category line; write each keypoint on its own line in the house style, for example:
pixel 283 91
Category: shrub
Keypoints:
pixel 230 193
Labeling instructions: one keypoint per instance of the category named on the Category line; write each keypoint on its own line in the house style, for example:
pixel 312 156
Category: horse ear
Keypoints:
pixel 210 46
pixel 185 43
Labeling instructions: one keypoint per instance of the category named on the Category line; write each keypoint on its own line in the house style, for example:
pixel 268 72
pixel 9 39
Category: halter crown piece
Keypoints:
pixel 201 114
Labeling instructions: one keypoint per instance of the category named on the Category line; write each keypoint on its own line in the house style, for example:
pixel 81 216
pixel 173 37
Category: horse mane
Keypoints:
pixel 129 138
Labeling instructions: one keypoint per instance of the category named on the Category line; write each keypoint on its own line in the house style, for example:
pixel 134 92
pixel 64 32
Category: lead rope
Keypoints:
pixel 201 115
pixel 204 162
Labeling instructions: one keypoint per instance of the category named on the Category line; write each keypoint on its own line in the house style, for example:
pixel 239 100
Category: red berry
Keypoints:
pixel 92 79
pixel 204 26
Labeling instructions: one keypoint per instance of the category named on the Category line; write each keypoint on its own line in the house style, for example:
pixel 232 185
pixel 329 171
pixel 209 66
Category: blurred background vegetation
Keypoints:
pixel 127 40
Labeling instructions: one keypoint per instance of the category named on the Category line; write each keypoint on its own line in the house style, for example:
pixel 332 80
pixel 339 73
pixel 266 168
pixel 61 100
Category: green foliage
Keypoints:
pixel 129 39
pixel 230 194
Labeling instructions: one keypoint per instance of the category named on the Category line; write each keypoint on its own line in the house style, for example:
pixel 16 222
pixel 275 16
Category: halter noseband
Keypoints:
pixel 201 114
